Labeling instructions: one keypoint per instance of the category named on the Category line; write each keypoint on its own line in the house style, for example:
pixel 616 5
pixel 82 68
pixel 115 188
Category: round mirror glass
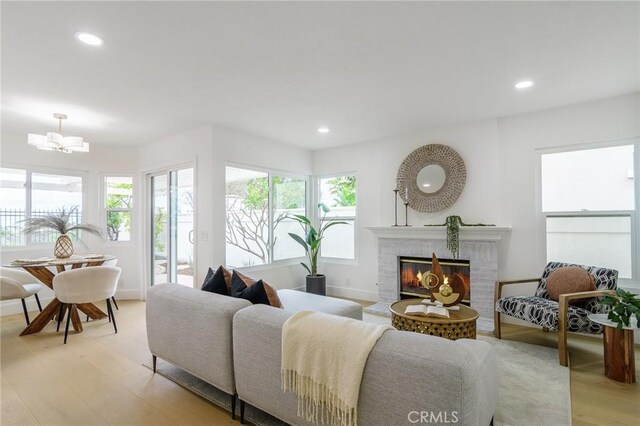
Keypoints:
pixel 431 178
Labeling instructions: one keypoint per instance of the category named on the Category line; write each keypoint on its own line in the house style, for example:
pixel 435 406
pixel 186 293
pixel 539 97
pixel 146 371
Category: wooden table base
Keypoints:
pixel 53 308
pixel 619 358
pixel 51 311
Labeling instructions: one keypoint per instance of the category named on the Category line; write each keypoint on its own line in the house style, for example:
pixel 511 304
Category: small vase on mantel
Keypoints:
pixel 63 248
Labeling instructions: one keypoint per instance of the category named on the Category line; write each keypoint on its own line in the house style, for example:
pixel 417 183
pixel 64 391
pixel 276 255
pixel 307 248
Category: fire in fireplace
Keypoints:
pixel 415 272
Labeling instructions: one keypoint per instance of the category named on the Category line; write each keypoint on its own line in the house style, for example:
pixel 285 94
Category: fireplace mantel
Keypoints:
pixel 467 233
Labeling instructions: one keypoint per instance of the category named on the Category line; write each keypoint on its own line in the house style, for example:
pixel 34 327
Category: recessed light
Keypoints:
pixel 525 84
pixel 88 38
pixel 426 185
pixel 323 130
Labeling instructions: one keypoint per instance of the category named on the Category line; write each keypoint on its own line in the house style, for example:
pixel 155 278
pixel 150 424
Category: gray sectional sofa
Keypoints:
pixel 236 347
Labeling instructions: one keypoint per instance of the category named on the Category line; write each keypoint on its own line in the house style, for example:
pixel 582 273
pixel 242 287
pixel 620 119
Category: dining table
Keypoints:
pixel 43 270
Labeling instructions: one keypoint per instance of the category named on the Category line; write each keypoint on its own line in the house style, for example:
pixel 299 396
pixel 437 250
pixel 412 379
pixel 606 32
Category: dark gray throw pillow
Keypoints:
pixel 214 282
pixel 255 293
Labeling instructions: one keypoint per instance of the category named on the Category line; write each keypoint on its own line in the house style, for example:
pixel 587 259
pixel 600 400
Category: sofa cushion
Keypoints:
pixel 295 301
pixel 404 372
pixel 544 312
pixel 192 330
pixel 272 294
pixel 569 279
pixel 215 282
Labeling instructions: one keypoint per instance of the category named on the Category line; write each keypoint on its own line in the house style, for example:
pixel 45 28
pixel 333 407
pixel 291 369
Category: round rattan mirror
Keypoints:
pixel 427 161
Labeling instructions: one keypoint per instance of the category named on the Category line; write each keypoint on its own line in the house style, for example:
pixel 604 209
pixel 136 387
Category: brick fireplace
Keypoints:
pixel 478 245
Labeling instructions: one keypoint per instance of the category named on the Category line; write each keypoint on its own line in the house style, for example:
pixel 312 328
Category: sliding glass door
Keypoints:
pixel 172 226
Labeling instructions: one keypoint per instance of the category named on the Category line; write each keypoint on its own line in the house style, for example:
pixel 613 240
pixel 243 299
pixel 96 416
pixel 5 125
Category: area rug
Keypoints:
pixel 534 388
pixel 212 394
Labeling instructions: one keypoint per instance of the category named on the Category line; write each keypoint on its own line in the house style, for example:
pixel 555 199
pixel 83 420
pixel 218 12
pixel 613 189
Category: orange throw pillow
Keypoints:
pixel 569 279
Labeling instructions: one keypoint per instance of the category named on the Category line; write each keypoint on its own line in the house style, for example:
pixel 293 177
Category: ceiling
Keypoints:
pixel 280 70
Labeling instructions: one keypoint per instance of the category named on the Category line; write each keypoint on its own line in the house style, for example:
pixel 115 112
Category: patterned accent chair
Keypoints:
pixel 544 312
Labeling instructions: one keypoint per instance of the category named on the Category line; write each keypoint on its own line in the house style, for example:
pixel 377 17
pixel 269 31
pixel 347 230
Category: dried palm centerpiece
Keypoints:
pixel 60 222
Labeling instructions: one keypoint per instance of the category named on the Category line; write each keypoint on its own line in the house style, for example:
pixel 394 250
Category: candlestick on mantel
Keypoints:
pixel 395 212
pixel 406 213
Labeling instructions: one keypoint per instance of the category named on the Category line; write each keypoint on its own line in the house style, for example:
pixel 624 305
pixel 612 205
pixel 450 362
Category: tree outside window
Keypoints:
pixel 257 204
pixel 118 203
pixel 339 194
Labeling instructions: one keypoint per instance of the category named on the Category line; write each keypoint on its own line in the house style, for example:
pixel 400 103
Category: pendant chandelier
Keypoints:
pixel 53 141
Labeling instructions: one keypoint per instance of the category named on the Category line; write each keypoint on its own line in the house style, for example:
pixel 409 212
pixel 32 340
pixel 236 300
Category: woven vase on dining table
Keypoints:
pixel 63 248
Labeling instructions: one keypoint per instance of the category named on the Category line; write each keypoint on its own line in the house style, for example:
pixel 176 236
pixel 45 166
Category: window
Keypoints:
pixel 25 194
pixel 589 203
pixel 257 206
pixel 339 194
pixel 118 203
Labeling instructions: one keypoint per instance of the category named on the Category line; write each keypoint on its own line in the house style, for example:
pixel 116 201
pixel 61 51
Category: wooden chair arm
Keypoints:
pixel 564 299
pixel 563 311
pixel 499 284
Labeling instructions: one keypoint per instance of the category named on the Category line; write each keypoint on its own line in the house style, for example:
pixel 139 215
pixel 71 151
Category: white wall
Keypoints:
pixel 101 160
pixel 500 156
pixel 523 251
pixel 376 164
pixel 212 147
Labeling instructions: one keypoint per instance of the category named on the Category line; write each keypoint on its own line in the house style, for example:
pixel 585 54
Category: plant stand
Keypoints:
pixel 619 359
pixel 619 356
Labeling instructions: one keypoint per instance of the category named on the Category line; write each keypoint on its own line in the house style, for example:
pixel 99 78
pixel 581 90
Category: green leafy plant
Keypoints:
pixel 159 221
pixel 623 305
pixel 313 238
pixel 453 224
pixel 60 222
pixel 115 220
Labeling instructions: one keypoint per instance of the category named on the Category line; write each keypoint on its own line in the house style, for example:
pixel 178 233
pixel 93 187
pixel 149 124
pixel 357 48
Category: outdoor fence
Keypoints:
pixel 11 227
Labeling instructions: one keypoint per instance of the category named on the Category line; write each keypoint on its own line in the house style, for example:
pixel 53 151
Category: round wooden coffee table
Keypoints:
pixel 460 325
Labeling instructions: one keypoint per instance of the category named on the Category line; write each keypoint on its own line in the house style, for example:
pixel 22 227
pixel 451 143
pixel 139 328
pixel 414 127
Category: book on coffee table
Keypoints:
pixel 439 304
pixel 427 311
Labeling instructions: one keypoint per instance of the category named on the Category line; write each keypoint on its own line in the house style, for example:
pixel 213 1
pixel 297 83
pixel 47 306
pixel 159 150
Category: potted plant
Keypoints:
pixel 60 222
pixel 316 283
pixel 623 306
pixel 453 224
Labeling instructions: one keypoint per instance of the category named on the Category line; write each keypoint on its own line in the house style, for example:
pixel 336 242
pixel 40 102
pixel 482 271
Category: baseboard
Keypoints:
pixel 352 293
pixel 128 294
pixel 12 307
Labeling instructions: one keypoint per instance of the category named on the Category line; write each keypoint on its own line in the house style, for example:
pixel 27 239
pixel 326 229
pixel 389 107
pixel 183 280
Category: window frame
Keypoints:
pixel 104 210
pixel 29 170
pixel 317 217
pixel 270 173
pixel 634 217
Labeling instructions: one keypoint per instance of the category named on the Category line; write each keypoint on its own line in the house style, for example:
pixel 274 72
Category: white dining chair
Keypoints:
pixel 18 284
pixel 85 285
pixel 113 262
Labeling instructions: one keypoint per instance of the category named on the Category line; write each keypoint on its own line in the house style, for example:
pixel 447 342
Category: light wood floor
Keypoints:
pixel 98 378
pixel 595 399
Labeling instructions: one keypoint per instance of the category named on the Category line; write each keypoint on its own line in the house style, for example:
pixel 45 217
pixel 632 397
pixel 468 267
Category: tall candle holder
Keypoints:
pixel 395 191
pixel 406 213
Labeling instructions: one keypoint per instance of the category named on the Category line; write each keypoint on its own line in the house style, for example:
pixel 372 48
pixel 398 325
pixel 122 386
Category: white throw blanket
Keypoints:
pixel 323 359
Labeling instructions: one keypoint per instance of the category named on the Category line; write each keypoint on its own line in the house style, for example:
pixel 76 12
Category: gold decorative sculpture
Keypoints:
pixel 447 291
